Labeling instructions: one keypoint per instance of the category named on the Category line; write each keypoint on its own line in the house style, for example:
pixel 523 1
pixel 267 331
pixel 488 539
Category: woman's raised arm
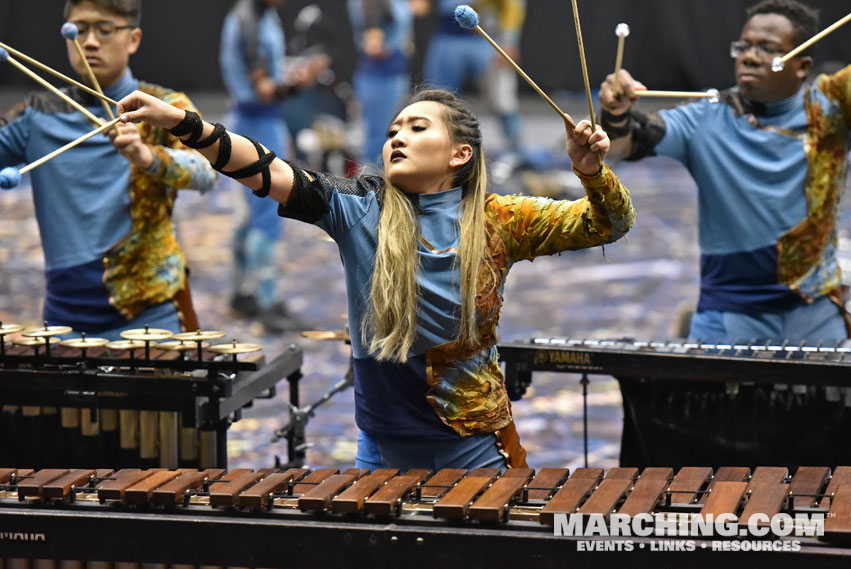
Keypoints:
pixel 230 154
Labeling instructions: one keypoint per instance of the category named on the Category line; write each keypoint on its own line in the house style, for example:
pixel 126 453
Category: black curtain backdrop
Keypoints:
pixel 674 44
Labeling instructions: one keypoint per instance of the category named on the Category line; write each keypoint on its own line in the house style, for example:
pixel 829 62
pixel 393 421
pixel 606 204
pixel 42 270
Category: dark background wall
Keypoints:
pixel 674 44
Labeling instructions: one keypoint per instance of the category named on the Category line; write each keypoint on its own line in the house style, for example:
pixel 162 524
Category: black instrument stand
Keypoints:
pixel 295 431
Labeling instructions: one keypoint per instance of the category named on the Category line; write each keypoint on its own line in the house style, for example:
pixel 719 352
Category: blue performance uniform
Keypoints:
pixel 448 399
pixel 111 258
pixel 252 44
pixel 769 179
pixel 381 83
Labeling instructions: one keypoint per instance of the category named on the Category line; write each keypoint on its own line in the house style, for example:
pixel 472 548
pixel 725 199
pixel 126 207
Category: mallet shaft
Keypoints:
pixel 584 66
pixel 618 63
pixel 585 72
pixel 45 68
pixel 92 118
pixel 676 94
pixel 816 38
pixel 68 146
pixel 528 79
pixel 94 81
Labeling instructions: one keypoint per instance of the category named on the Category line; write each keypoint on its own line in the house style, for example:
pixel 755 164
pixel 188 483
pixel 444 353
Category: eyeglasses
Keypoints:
pixel 103 30
pixel 763 51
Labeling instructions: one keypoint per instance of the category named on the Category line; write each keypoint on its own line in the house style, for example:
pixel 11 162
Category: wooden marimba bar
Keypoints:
pixel 419 518
pixel 132 402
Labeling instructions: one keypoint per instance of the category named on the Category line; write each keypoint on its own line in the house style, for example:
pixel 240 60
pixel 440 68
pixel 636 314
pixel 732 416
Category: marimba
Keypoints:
pixel 357 518
pixel 686 402
pixel 137 402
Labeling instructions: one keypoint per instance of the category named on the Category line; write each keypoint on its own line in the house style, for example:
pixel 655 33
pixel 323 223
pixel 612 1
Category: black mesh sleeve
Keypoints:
pixel 310 199
pixel 647 131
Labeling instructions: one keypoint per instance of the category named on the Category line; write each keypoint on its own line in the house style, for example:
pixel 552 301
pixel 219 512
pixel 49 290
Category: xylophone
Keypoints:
pixel 450 518
pixel 135 402
pixel 687 402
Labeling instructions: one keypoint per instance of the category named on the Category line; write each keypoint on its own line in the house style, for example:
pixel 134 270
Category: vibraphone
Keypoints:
pixel 450 518
pixel 135 402
pixel 691 402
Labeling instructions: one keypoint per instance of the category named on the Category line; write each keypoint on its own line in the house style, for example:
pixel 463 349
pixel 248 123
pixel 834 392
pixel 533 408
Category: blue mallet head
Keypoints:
pixel 9 178
pixel 466 17
pixel 4 55
pixel 69 31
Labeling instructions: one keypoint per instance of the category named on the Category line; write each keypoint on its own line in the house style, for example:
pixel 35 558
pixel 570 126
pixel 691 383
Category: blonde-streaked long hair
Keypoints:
pixel 390 321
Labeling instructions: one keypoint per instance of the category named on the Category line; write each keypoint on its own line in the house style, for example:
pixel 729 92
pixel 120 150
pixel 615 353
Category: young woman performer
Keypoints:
pixel 426 252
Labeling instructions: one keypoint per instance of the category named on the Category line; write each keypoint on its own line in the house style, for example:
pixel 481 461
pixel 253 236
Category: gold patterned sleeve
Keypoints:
pixel 531 226
pixel 175 164
pixel 838 88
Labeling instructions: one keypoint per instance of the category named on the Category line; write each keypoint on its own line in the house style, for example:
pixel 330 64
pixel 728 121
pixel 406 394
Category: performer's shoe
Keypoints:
pixel 278 319
pixel 245 305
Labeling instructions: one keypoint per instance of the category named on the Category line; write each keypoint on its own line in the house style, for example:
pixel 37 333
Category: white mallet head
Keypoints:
pixel 712 95
pixel 622 30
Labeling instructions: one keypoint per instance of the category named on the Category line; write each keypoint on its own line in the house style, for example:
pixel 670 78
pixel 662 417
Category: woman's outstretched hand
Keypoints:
pixel 585 148
pixel 141 107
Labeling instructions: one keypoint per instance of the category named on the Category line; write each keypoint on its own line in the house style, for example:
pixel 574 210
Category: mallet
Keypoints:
pixel 778 63
pixel 45 68
pixel 468 18
pixel 4 56
pixel 11 177
pixel 584 67
pixel 711 94
pixel 622 31
pixel 585 71
pixel 70 33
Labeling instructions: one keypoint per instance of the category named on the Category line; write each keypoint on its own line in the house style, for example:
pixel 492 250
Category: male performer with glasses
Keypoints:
pixel 112 261
pixel 770 165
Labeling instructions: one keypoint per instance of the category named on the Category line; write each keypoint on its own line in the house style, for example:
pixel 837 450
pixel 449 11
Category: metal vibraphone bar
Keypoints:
pixel 690 402
pixel 139 404
pixel 764 362
pixel 450 518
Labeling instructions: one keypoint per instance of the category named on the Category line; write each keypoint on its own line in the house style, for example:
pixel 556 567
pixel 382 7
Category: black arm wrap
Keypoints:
pixel 218 131
pixel 191 124
pixel 223 157
pixel 285 91
pixel 647 132
pixel 607 119
pixel 261 166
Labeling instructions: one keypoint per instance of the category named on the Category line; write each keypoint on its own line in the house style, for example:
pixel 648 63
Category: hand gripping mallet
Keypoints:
pixel 585 72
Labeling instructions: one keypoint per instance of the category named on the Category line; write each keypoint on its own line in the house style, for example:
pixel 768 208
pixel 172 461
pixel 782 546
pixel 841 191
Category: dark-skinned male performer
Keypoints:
pixel 770 163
